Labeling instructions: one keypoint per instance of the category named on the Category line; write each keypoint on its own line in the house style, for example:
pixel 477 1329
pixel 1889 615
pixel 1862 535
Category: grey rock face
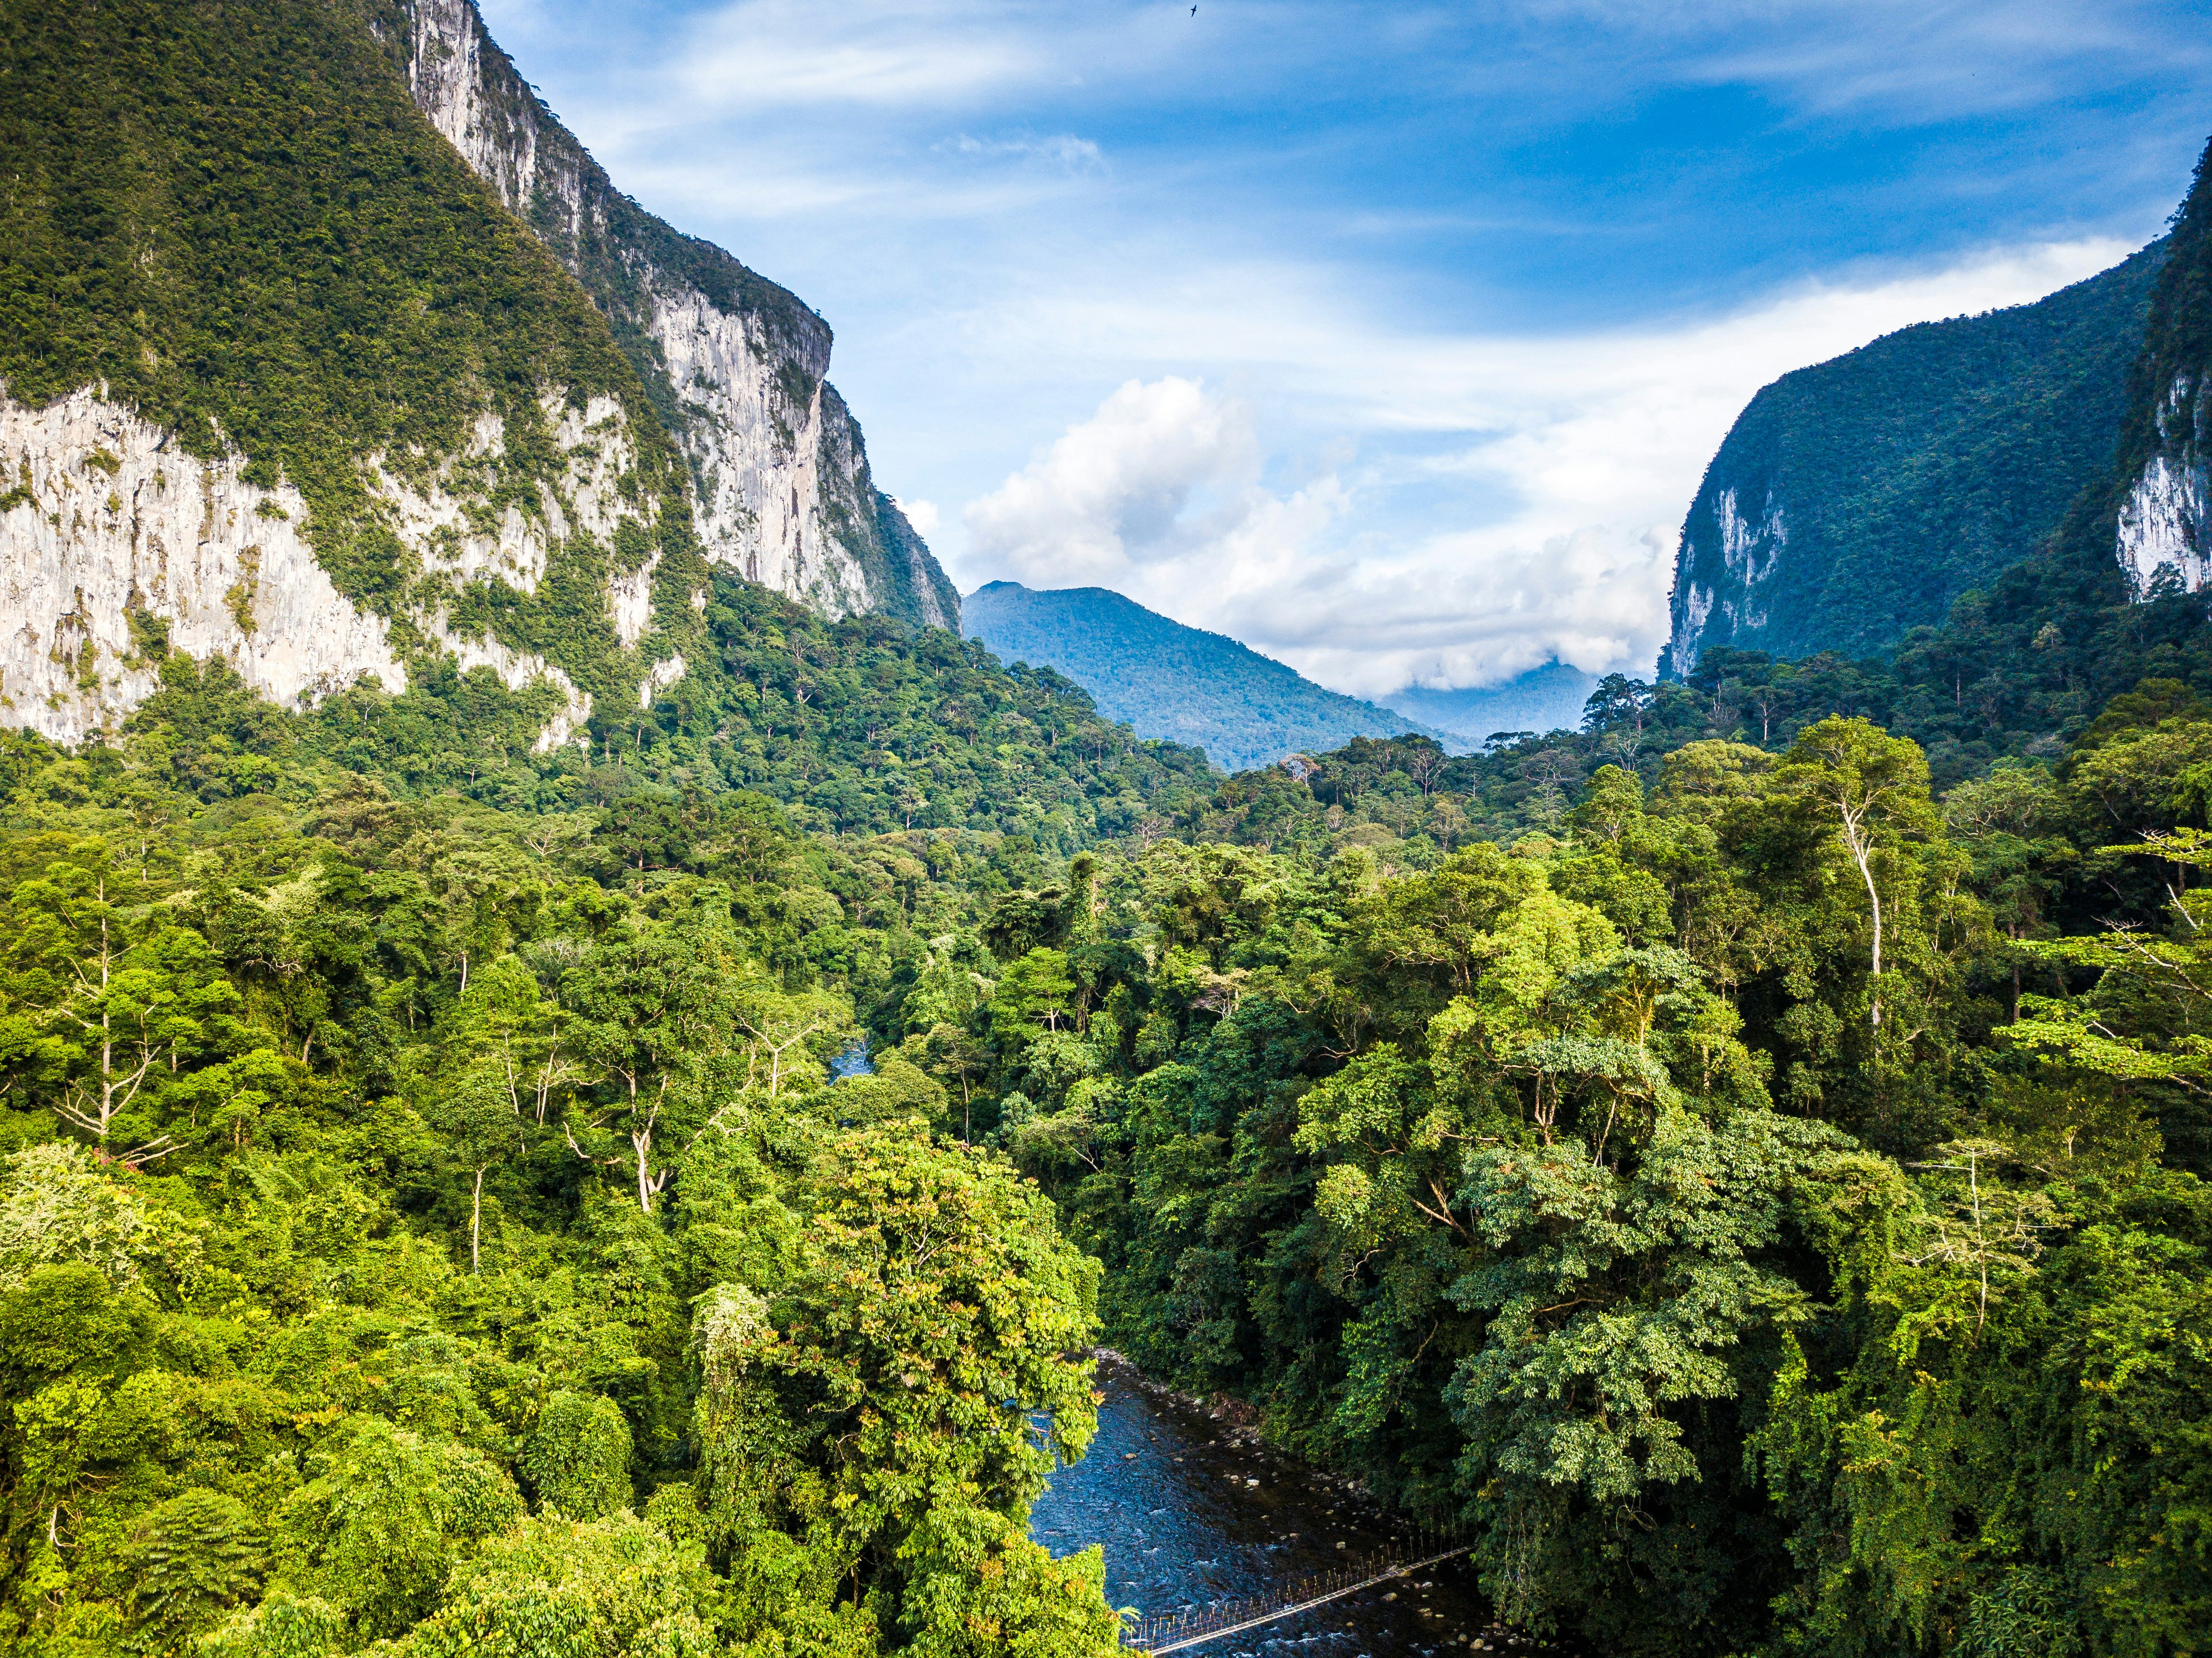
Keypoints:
pixel 113 539
pixel 2162 521
pixel 1726 555
pixel 780 484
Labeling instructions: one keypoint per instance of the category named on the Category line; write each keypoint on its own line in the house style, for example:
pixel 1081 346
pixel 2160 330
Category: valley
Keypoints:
pixel 592 1064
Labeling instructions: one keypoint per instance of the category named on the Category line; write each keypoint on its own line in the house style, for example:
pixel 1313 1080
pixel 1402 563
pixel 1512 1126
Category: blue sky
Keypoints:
pixel 1391 339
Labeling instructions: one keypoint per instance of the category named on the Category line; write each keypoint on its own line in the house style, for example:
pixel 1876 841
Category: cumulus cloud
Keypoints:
pixel 1160 471
pixel 923 515
pixel 1160 495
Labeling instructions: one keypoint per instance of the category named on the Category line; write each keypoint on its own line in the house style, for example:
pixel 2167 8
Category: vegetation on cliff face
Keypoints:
pixel 1855 500
pixel 2176 356
pixel 230 216
pixel 632 264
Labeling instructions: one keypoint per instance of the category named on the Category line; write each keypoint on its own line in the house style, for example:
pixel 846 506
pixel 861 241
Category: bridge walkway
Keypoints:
pixel 1158 1636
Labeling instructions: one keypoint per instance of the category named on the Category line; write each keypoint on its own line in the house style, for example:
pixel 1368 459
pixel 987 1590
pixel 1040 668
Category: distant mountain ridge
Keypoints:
pixel 1546 699
pixel 1857 499
pixel 1169 681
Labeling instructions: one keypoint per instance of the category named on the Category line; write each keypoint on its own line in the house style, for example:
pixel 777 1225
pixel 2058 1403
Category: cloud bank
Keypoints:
pixel 1586 450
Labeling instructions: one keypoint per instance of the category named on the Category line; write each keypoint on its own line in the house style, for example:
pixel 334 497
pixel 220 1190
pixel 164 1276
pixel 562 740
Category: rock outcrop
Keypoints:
pixel 2162 524
pixel 365 366
pixel 735 365
pixel 115 544
pixel 2153 514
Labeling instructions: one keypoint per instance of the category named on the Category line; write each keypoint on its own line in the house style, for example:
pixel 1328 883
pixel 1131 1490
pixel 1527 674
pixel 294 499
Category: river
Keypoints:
pixel 1189 1517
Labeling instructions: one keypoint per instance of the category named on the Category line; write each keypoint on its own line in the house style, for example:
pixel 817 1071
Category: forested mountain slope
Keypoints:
pixel 1855 499
pixel 856 726
pixel 282 381
pixel 1169 681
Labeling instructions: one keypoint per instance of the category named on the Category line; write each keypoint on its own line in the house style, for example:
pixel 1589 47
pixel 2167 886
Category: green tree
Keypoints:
pixel 1873 789
pixel 928 1323
pixel 483 1129
pixel 657 1012
pixel 1615 1307
pixel 1033 992
pixel 577 1456
pixel 126 1000
pixel 189 1561
pixel 383 1518
pixel 563 1588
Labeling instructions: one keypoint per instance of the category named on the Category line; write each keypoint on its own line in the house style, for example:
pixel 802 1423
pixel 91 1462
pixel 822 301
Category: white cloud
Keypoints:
pixel 1160 471
pixel 923 515
pixel 779 52
pixel 1588 447
pixel 1064 148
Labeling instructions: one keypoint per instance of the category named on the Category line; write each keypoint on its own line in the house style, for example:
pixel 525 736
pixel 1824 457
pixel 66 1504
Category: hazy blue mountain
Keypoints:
pixel 1167 680
pixel 1542 699
pixel 1858 498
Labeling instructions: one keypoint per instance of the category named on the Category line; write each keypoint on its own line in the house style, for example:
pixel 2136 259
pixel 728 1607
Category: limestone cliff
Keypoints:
pixel 281 385
pixel 115 543
pixel 284 383
pixel 734 364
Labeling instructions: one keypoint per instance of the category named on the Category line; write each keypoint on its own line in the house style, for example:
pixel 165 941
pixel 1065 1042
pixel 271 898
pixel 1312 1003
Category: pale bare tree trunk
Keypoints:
pixel 1861 846
pixel 1974 1185
pixel 476 1224
pixel 641 1143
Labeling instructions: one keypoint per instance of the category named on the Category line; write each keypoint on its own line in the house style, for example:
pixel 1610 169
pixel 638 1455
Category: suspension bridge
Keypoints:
pixel 1180 1631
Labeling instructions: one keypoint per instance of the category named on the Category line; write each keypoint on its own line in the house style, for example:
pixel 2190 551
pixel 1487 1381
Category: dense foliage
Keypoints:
pixel 1745 1156
pixel 427 1222
pixel 1742 1202
pixel 858 725
pixel 1168 681
pixel 1743 1181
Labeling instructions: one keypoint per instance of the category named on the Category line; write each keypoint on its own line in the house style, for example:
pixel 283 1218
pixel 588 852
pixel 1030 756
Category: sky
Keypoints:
pixel 1390 339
